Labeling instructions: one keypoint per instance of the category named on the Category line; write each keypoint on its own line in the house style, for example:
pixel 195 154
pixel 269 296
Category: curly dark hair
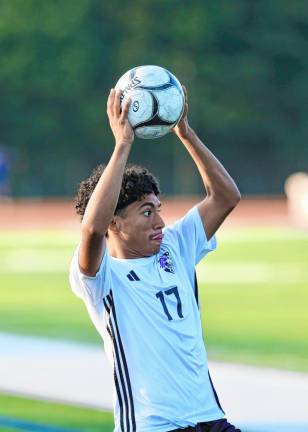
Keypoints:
pixel 137 182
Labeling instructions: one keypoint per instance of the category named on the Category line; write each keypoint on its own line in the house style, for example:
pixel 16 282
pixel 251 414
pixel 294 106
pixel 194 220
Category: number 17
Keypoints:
pixel 173 290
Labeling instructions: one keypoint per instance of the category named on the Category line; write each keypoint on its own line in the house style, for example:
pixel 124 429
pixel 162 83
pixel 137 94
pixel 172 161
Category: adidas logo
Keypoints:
pixel 132 276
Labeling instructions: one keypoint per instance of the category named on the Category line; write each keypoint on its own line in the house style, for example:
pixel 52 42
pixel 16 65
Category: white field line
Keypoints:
pixel 32 260
pixel 35 261
pixel 252 272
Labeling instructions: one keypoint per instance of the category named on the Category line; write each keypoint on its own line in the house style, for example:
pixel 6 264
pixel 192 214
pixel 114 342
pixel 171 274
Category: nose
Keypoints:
pixel 158 222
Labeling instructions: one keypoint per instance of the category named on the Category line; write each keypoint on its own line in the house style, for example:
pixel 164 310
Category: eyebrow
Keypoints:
pixel 149 204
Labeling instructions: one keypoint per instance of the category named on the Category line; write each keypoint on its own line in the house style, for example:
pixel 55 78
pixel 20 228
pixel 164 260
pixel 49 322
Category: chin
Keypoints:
pixel 156 250
pixel 152 251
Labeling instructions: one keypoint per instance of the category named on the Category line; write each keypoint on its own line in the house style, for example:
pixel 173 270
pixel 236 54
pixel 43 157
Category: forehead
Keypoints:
pixel 150 199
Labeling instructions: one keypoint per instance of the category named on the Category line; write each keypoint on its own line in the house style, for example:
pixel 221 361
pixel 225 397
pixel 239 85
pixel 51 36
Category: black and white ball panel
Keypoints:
pixel 157 100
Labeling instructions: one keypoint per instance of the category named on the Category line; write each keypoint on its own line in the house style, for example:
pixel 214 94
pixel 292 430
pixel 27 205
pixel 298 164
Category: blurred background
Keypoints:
pixel 245 65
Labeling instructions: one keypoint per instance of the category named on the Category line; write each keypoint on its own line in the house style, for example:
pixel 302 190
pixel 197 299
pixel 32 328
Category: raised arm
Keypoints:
pixel 103 201
pixel 222 194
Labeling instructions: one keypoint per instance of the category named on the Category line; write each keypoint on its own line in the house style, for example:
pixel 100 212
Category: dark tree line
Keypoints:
pixel 244 63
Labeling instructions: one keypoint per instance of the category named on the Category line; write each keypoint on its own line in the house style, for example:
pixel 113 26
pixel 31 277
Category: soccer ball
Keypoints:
pixel 157 100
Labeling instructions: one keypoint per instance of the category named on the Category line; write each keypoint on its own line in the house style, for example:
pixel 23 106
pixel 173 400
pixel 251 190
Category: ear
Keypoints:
pixel 114 225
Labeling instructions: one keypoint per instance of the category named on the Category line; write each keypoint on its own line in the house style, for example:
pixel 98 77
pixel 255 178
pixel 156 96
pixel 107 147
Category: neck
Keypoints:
pixel 121 251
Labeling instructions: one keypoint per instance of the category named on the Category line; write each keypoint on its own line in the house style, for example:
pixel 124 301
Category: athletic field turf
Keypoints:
pixel 253 294
pixel 41 416
pixel 36 415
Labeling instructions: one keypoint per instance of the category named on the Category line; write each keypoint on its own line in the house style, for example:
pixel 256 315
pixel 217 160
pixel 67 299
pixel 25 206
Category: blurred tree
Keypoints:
pixel 243 62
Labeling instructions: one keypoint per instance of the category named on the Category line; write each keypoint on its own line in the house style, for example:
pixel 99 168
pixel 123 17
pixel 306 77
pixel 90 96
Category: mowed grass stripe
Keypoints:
pixel 55 415
pixel 46 261
pixel 38 239
pixel 22 425
pixel 252 272
pixel 253 291
pixel 242 268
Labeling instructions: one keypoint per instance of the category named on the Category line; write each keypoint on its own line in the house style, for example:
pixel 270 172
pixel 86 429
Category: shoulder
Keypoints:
pixel 89 287
pixel 184 225
pixel 189 237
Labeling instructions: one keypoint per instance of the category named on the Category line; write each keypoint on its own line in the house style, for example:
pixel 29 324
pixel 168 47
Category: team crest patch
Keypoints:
pixel 165 262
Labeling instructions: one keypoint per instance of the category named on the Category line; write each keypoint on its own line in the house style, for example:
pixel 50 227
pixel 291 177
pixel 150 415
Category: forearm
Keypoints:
pixel 103 201
pixel 217 181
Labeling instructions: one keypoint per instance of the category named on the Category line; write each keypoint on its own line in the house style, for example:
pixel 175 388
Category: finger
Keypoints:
pixel 110 102
pixel 185 92
pixel 125 109
pixel 185 102
pixel 117 103
pixel 185 112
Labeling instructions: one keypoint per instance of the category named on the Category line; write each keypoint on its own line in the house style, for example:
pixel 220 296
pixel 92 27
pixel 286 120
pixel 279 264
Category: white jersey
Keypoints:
pixel 147 313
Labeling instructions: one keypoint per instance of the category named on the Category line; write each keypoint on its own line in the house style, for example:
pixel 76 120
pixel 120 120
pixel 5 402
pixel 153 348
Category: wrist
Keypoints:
pixel 186 133
pixel 122 150
pixel 123 143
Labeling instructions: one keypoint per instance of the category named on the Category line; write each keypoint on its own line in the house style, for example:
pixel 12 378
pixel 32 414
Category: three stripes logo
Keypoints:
pixel 132 276
pixel 121 375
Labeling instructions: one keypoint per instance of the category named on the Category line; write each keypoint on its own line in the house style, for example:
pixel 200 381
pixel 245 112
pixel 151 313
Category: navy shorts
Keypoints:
pixel 212 426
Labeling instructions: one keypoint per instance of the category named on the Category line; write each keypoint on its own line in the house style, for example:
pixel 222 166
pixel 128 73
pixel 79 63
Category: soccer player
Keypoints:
pixel 137 279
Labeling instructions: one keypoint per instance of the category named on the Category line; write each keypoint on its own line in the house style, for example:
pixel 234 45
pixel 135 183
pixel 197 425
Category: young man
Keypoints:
pixel 137 280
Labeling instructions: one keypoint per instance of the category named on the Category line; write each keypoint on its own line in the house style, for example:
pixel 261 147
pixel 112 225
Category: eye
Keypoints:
pixel 147 213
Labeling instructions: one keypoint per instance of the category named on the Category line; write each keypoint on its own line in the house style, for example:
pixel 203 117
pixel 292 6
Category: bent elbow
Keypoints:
pixel 91 231
pixel 234 199
pixel 237 197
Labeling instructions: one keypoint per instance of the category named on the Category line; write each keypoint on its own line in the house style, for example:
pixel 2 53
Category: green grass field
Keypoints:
pixel 54 415
pixel 253 296
pixel 253 292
